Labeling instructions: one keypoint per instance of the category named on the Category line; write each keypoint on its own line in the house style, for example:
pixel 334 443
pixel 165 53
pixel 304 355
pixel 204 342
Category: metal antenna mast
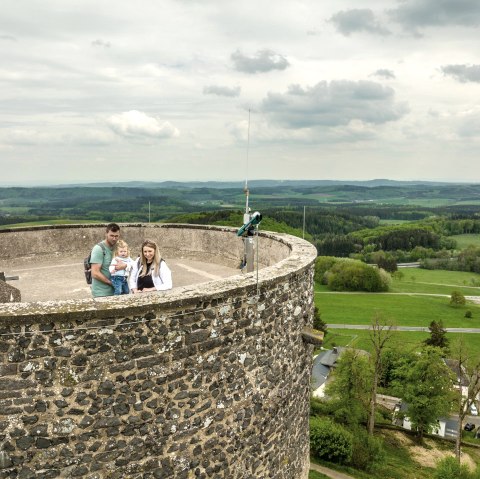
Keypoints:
pixel 246 216
pixel 250 223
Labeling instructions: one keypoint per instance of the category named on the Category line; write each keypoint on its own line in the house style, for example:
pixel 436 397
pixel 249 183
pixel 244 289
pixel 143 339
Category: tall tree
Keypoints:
pixel 380 334
pixel 425 385
pixel 466 370
pixel 438 335
pixel 351 386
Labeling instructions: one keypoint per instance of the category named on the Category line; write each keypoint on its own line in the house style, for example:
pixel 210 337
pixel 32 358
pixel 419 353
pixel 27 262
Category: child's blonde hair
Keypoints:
pixel 121 245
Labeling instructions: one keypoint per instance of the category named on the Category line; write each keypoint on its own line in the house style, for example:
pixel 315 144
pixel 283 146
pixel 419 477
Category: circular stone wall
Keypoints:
pixel 209 381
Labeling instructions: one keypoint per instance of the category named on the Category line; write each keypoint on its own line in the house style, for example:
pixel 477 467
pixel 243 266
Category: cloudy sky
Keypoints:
pixel 163 90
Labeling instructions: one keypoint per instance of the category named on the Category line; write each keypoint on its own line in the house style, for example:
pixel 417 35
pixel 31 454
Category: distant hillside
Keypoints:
pixel 255 183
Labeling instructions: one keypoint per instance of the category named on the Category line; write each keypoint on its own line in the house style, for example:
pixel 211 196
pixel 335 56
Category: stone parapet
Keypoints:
pixel 210 381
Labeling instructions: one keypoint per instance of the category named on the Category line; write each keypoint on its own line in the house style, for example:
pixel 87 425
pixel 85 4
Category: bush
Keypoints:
pixel 322 265
pixel 318 322
pixel 357 276
pixel 330 441
pixel 457 299
pixel 468 314
pixel 449 468
pixel 367 450
pixel 321 407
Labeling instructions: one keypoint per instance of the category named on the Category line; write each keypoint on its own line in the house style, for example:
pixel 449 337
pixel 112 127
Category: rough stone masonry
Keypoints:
pixel 206 382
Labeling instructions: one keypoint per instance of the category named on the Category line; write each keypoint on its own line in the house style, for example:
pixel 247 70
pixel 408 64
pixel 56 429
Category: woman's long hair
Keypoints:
pixel 156 259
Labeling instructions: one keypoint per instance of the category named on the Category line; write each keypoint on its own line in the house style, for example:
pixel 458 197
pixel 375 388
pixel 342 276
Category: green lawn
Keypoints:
pixel 402 310
pixel 466 240
pixel 408 340
pixel 415 280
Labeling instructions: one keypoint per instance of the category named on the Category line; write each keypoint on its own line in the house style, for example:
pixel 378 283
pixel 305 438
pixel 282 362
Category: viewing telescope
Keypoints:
pixel 247 228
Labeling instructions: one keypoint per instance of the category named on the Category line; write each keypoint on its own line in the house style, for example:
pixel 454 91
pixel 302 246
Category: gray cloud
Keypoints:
pixel 8 38
pixel 384 73
pixel 412 14
pixel 334 104
pixel 262 61
pixel 357 20
pixel 101 43
pixel 222 91
pixel 463 73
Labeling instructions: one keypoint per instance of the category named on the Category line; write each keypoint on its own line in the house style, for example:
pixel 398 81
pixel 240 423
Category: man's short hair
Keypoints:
pixel 113 227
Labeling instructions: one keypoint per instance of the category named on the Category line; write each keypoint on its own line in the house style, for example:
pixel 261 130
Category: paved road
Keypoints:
pixel 473 299
pixel 403 328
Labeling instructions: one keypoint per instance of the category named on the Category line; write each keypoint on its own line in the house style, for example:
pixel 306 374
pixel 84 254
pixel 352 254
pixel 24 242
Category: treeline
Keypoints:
pixel 467 260
pixel 321 222
pixel 360 237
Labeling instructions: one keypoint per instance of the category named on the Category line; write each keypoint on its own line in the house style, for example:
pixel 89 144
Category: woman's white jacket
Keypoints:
pixel 162 281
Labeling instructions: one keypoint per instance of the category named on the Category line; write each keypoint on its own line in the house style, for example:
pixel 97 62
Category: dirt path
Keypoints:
pixel 329 472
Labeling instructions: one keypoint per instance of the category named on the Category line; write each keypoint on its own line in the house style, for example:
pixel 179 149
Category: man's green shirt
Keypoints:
pixel 97 257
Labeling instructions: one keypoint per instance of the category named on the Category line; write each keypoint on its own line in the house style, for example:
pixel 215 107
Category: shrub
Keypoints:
pixel 318 322
pixel 457 299
pixel 468 314
pixel 449 468
pixel 330 441
pixel 367 450
pixel 356 276
pixel 322 265
pixel 321 407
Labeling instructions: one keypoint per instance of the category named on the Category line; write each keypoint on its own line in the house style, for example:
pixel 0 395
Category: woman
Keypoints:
pixel 150 272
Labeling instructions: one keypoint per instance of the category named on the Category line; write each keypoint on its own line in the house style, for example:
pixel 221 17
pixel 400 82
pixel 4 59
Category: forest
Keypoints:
pixel 365 220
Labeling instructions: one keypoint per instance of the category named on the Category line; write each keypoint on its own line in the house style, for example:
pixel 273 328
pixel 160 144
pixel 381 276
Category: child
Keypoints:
pixel 120 277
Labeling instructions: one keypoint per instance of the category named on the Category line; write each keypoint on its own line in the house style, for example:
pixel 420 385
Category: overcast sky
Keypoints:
pixel 162 89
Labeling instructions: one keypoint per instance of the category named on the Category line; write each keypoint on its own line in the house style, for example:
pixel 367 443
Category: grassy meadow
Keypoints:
pixel 466 240
pixel 48 223
pixel 418 298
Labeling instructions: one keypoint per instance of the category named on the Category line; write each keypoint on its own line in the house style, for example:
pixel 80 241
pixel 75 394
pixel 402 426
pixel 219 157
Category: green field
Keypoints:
pixel 401 309
pixel 466 240
pixel 411 302
pixel 418 280
pixel 393 222
pixel 46 223
pixel 407 340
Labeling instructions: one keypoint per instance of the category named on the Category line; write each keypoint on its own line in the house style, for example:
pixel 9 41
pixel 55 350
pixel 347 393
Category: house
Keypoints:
pixel 461 384
pixel 445 427
pixel 323 364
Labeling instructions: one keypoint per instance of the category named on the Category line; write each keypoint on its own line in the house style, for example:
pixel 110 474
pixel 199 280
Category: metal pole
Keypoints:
pixel 249 253
pixel 256 251
pixel 303 234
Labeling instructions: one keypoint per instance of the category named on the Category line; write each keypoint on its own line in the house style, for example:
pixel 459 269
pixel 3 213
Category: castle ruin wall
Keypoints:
pixel 207 381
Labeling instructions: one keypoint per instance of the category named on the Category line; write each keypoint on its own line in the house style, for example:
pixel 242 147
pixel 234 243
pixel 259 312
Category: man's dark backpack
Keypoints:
pixel 87 266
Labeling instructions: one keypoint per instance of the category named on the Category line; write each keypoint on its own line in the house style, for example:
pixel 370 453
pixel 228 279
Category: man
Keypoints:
pixel 100 260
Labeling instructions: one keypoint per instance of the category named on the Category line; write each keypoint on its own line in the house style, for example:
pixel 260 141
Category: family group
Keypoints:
pixel 114 272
